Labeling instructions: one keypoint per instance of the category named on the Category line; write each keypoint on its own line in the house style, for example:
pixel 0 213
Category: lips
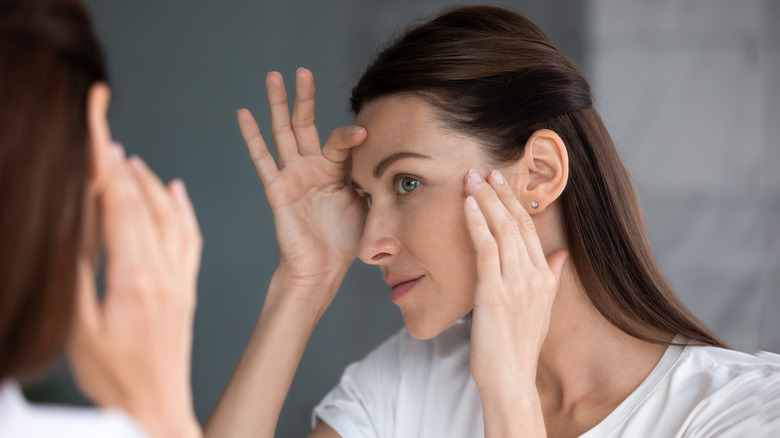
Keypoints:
pixel 400 286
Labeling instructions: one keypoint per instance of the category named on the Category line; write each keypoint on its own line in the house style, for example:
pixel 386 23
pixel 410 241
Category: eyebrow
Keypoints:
pixel 383 165
pixel 380 168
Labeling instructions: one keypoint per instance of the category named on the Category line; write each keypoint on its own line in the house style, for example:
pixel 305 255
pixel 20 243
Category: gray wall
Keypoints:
pixel 690 91
pixel 180 69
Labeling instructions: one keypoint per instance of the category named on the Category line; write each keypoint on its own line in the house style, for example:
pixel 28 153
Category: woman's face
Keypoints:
pixel 411 171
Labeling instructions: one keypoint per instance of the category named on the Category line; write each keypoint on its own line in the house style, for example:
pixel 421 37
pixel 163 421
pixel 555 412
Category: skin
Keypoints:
pixel 537 344
pixel 420 232
pixel 131 350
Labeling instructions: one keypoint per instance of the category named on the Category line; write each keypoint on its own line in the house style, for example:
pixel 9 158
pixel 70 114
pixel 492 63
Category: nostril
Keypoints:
pixel 379 256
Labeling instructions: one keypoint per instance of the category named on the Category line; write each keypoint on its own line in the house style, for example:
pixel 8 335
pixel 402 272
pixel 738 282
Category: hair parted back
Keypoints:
pixel 494 75
pixel 49 57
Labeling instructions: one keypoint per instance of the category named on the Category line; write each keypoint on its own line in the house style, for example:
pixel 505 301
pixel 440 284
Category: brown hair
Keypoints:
pixel 49 57
pixel 494 75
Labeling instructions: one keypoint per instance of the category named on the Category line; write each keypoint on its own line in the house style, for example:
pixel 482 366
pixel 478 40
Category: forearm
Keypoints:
pixel 251 402
pixel 512 411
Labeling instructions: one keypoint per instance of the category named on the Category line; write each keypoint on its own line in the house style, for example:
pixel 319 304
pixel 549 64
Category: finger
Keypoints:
pixel 511 248
pixel 158 202
pixel 126 220
pixel 281 129
pixel 488 263
pixel 303 114
pixel 193 241
pixel 341 140
pixel 258 151
pixel 526 225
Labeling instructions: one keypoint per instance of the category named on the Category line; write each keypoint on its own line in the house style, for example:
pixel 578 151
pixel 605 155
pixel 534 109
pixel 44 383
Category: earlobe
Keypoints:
pixel 546 170
pixel 98 131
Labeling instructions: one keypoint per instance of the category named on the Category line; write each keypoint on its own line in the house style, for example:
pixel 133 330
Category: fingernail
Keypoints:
pixel 117 152
pixel 178 189
pixel 137 163
pixel 471 202
pixel 299 69
pixel 358 129
pixel 497 177
pixel 475 179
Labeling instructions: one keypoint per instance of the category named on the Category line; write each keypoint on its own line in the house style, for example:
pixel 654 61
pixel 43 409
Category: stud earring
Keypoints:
pixel 534 204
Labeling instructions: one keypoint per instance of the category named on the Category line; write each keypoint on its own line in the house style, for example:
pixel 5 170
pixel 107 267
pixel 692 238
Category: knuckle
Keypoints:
pixel 488 248
pixel 534 282
pixel 305 121
pixel 336 135
pixel 259 154
pixel 339 136
pixel 526 222
pixel 281 128
pixel 509 226
pixel 138 280
pixel 139 284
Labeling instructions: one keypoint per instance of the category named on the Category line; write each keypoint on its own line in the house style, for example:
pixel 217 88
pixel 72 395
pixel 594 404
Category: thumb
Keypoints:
pixel 341 140
pixel 556 261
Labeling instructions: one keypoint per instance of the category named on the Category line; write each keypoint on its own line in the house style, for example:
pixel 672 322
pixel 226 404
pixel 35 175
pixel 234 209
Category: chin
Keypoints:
pixel 422 334
pixel 427 328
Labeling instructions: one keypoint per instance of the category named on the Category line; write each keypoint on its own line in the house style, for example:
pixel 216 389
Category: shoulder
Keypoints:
pixel 737 392
pixel 701 391
pixel 722 365
pixel 20 418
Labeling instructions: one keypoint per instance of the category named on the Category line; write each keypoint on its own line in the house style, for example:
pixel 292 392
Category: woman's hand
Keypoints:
pixel 132 350
pixel 516 288
pixel 318 218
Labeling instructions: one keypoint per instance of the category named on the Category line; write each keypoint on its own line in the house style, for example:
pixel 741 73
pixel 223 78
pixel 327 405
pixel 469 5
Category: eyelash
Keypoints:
pixel 397 182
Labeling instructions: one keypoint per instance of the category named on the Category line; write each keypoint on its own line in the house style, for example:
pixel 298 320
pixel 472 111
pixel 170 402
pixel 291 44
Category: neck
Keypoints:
pixel 586 362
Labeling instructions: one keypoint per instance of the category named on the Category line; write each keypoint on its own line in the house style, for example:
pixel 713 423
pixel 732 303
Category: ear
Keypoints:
pixel 98 131
pixel 543 171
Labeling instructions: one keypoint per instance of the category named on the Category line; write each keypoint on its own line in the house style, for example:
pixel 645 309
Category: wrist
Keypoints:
pixel 313 293
pixel 512 411
pixel 509 391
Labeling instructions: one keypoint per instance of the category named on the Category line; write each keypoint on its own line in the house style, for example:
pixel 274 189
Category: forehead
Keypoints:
pixel 397 119
pixel 403 123
pixel 402 107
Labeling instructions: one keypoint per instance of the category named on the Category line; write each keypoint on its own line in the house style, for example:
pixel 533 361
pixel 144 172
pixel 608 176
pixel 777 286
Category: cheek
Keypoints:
pixel 444 242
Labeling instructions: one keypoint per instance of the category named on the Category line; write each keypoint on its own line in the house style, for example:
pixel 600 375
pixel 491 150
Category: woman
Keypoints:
pixel 66 194
pixel 481 181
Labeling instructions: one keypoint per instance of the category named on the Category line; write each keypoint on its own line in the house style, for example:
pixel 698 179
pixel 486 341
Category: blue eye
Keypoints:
pixel 367 198
pixel 405 184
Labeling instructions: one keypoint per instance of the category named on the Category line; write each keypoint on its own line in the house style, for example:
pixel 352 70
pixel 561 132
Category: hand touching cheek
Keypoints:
pixel 516 288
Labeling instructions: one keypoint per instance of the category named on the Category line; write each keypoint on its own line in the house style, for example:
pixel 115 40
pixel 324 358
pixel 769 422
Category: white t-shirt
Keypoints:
pixel 410 388
pixel 20 419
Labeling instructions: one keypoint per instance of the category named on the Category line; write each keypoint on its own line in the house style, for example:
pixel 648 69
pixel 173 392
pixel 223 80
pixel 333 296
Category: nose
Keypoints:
pixel 379 243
